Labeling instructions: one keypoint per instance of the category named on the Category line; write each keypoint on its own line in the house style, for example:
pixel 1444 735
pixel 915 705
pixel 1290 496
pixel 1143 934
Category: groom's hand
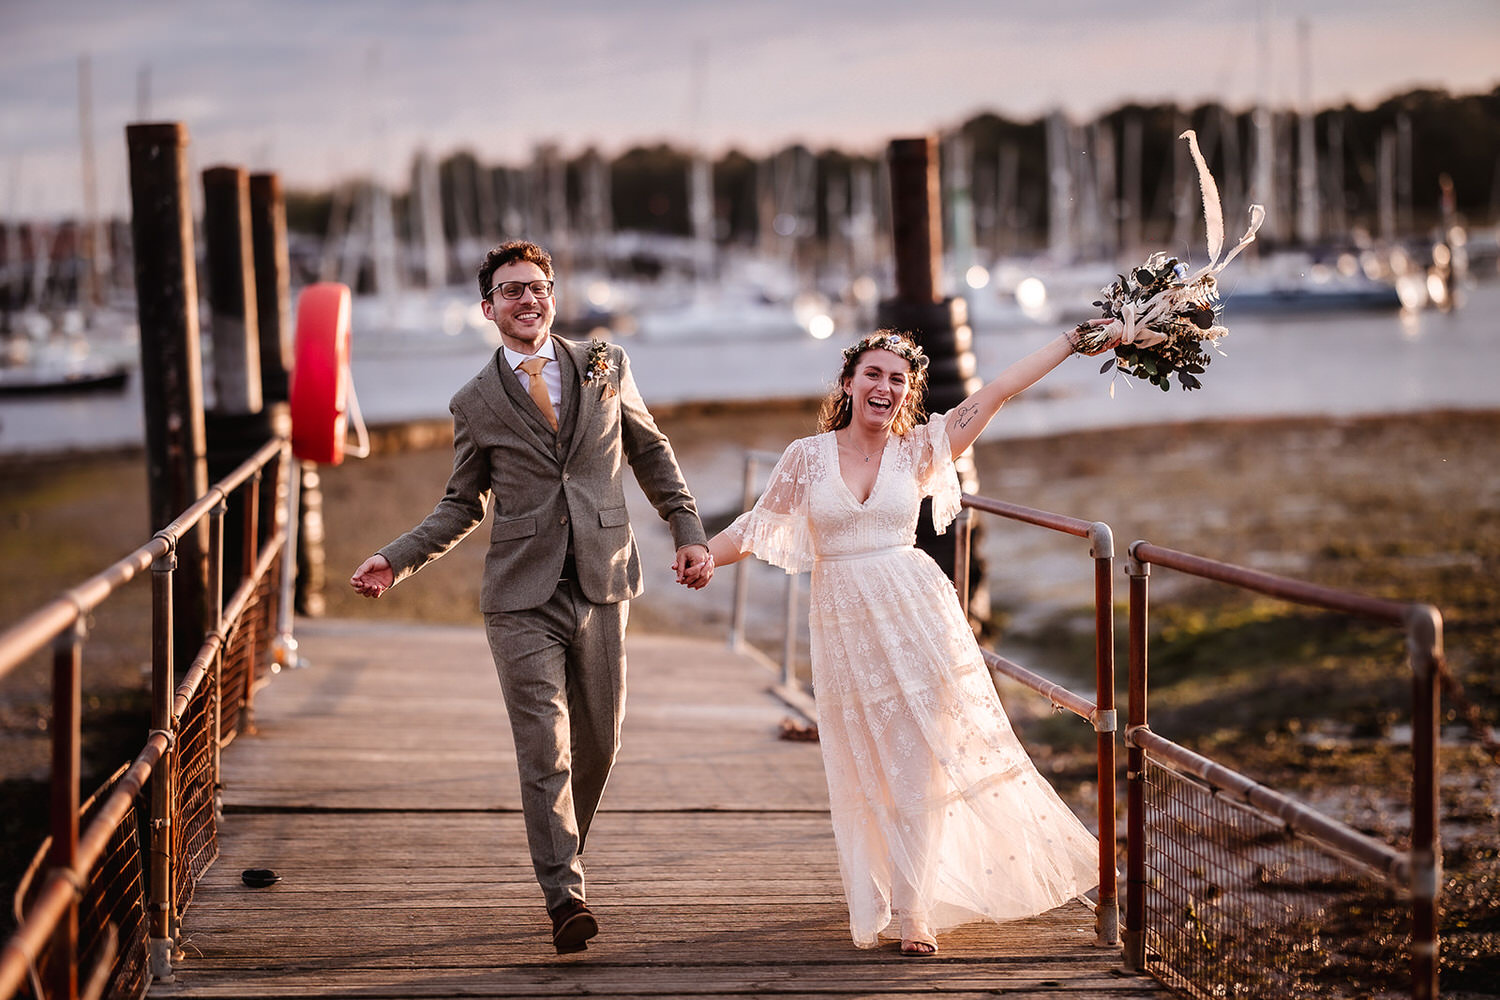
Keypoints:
pixel 694 566
pixel 374 576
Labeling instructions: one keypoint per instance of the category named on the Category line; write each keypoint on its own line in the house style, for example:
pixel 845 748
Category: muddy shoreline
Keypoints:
pixel 1405 507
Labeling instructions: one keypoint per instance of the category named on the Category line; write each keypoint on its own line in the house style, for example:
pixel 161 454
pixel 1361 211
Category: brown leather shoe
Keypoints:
pixel 572 926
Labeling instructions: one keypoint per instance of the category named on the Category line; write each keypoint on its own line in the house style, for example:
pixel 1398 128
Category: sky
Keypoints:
pixel 319 89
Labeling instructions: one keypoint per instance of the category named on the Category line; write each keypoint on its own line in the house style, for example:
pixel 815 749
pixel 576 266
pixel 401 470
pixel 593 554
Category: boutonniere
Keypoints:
pixel 597 365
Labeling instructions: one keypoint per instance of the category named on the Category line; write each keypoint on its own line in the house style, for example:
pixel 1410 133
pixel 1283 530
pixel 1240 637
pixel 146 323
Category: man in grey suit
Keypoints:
pixel 542 429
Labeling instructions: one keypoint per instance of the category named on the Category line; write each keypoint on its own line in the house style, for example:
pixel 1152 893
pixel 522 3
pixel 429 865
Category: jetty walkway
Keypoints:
pixel 380 785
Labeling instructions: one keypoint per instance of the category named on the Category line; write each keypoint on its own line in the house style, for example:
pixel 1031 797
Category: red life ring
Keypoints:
pixel 320 373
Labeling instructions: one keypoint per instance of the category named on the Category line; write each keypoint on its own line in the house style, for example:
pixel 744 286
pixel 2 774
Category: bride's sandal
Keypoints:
pixel 916 940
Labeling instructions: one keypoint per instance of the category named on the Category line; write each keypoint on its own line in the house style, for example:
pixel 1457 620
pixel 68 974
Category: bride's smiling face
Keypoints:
pixel 878 388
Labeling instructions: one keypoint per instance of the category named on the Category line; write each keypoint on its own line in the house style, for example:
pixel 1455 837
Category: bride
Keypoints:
pixel 939 815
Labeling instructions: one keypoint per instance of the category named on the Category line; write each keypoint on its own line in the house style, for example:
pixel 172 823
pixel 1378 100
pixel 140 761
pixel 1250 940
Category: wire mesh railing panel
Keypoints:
pixel 116 899
pixel 263 612
pixel 234 678
pixel 1238 905
pixel 195 837
pixel 113 906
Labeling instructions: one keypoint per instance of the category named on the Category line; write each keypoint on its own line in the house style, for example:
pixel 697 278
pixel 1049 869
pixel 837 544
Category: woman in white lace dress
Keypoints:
pixel 939 815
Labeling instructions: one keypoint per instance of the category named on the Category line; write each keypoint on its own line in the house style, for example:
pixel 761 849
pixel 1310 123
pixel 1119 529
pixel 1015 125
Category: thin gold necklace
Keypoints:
pixel 871 455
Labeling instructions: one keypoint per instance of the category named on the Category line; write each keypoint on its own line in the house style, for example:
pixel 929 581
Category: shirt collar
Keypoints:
pixel 514 358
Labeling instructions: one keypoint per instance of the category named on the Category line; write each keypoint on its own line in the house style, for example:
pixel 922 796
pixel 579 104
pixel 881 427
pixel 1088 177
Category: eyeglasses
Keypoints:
pixel 515 289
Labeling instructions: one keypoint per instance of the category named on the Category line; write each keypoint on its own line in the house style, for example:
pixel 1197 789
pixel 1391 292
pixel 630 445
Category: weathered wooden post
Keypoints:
pixel 166 287
pixel 273 305
pixel 939 324
pixel 237 423
pixel 274 312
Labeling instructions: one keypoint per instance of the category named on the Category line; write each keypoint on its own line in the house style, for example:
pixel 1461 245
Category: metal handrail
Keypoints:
pixel 1100 712
pixel 52 916
pixel 31 634
pixel 790 688
pixel 1418 871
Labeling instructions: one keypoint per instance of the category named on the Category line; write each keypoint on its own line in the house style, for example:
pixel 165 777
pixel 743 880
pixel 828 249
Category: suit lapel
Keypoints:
pixel 502 393
pixel 585 407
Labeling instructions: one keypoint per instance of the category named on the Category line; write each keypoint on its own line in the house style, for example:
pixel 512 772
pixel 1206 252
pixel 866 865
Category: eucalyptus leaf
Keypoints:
pixel 1108 365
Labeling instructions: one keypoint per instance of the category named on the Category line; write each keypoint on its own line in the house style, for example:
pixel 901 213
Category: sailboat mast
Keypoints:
pixel 91 292
pixel 1264 182
pixel 1308 208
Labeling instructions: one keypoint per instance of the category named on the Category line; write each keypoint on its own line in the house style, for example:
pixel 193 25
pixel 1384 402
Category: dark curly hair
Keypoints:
pixel 509 253
pixel 838 408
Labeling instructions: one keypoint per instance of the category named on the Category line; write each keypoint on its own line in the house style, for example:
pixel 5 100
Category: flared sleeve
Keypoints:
pixel 937 477
pixel 776 529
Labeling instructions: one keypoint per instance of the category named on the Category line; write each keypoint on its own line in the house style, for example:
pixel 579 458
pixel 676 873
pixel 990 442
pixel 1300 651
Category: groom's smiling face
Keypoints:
pixel 524 323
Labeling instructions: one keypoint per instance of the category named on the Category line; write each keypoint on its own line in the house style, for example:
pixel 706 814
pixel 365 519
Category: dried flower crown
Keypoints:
pixel 899 344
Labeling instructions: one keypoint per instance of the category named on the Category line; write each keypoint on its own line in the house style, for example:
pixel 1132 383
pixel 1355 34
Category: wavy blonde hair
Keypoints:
pixel 838 408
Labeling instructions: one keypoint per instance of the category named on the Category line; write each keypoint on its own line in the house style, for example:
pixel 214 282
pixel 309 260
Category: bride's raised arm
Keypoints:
pixel 968 418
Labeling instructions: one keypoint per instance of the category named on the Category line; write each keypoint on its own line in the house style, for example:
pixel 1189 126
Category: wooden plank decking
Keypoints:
pixel 381 786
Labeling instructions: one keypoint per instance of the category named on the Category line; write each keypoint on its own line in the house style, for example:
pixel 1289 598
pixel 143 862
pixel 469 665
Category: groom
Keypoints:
pixel 543 429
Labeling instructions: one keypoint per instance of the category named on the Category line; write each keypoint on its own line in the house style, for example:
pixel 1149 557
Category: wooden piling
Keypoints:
pixel 238 423
pixel 166 284
pixel 272 284
pixel 277 332
pixel 940 325
pixel 231 285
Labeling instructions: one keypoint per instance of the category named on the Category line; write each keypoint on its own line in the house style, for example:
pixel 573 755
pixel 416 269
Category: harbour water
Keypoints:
pixel 1339 364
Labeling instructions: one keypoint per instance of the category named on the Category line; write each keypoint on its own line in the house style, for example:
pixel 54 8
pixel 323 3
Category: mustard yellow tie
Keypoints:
pixel 538 388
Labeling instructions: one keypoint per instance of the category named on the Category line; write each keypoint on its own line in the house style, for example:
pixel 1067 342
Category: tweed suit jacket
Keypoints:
pixel 548 488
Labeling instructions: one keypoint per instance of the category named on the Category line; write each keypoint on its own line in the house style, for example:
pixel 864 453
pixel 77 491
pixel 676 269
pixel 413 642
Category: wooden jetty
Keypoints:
pixel 380 785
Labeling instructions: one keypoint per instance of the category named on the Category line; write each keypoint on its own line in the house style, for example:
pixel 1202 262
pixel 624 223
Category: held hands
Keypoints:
pixel 374 576
pixel 694 566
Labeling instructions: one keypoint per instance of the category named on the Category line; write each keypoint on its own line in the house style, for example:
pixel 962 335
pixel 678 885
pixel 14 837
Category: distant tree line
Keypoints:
pixel 1413 151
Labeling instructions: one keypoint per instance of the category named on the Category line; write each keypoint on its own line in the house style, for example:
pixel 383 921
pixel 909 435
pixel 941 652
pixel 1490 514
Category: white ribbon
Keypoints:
pixel 1134 325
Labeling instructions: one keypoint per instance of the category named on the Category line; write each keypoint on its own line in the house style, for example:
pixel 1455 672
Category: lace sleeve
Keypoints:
pixel 776 528
pixel 937 477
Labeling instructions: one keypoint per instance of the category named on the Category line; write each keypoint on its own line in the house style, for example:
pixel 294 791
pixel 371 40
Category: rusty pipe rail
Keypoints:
pixel 789 688
pixel 1419 871
pixel 1059 696
pixel 73 855
pixel 1286 588
pixel 31 634
pixel 1100 712
pixel 1330 833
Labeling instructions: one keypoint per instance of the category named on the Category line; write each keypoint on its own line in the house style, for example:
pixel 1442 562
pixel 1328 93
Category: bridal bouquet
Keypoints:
pixel 1160 317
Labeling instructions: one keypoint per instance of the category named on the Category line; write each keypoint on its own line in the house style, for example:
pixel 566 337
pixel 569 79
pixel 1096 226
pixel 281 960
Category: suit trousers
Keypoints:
pixel 562 672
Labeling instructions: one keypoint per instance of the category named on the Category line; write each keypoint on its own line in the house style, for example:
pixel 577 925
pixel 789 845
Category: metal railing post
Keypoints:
pixel 742 570
pixel 67 735
pixel 160 890
pixel 789 647
pixel 1135 780
pixel 251 509
pixel 963 534
pixel 1424 637
pixel 1102 548
pixel 216 626
pixel 284 647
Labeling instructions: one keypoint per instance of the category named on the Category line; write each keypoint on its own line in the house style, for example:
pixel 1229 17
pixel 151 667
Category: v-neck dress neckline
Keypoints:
pixel 838 470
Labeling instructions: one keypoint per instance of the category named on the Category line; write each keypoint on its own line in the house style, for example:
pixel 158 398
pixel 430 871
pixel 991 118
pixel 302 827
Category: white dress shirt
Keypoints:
pixel 551 374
